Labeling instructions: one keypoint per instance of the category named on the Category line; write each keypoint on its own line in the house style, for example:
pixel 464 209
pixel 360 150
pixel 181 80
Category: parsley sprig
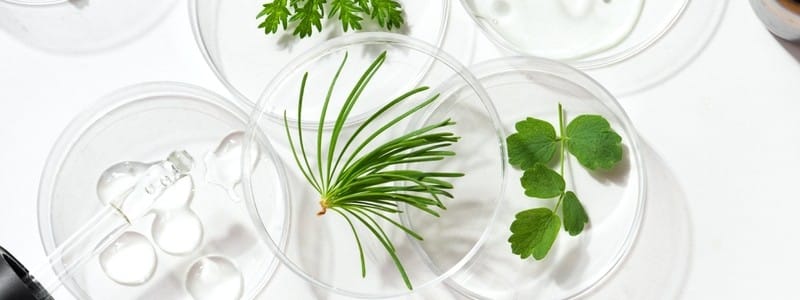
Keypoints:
pixel 307 15
pixel 370 182
pixel 591 140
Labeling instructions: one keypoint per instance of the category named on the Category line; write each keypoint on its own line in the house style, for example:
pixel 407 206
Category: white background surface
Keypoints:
pixel 727 128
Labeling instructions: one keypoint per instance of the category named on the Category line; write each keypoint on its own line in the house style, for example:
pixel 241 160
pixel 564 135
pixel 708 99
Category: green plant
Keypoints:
pixel 368 183
pixel 305 15
pixel 591 140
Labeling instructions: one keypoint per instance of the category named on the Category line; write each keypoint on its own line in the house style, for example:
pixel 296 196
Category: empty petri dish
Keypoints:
pixel 80 26
pixel 523 87
pixel 627 45
pixel 322 249
pixel 244 58
pixel 141 124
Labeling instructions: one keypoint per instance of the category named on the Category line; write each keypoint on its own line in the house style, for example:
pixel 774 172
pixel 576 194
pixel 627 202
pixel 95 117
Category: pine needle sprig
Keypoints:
pixel 369 184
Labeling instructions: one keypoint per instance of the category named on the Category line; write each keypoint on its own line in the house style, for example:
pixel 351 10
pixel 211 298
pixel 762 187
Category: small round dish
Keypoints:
pixel 628 56
pixel 144 123
pixel 244 58
pixel 322 249
pixel 523 87
pixel 80 26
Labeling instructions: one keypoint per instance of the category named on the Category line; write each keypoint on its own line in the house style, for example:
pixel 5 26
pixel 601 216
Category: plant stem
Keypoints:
pixel 563 144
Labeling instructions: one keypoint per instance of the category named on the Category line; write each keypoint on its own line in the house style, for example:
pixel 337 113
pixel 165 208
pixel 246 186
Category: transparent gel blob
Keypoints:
pixel 214 278
pixel 560 29
pixel 117 181
pixel 224 164
pixel 130 260
pixel 177 231
pixel 177 196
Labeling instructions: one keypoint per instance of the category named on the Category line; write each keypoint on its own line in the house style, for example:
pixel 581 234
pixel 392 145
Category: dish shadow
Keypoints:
pixel 660 259
pixel 792 48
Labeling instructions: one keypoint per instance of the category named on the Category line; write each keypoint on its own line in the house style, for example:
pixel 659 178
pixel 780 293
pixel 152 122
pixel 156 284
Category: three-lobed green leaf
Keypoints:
pixel 593 142
pixel 542 182
pixel 534 142
pixel 533 232
pixel 575 216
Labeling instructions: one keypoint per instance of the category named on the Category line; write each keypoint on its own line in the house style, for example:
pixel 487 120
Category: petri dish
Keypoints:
pixel 245 59
pixel 322 250
pixel 80 26
pixel 523 87
pixel 627 45
pixel 140 124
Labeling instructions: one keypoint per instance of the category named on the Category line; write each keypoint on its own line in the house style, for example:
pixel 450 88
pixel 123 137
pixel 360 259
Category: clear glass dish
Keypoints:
pixel 642 53
pixel 144 123
pixel 245 59
pixel 522 87
pixel 322 250
pixel 79 26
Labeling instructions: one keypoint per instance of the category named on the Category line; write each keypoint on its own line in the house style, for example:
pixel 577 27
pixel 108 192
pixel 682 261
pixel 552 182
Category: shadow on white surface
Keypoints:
pixel 659 261
pixel 793 49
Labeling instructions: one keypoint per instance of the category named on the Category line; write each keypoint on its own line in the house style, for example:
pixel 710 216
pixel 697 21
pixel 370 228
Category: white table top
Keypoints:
pixel 725 129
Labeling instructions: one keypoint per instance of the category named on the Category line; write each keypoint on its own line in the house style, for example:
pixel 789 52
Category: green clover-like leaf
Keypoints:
pixel 575 216
pixel 542 182
pixel 534 142
pixel 591 139
pixel 533 232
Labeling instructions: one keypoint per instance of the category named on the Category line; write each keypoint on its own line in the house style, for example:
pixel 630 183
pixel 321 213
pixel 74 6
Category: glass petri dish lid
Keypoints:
pixel 627 45
pixel 523 87
pixel 80 26
pixel 322 248
pixel 198 238
pixel 244 58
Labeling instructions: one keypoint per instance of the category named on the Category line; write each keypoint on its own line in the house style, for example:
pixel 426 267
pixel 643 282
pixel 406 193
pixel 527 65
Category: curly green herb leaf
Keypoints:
pixel 306 15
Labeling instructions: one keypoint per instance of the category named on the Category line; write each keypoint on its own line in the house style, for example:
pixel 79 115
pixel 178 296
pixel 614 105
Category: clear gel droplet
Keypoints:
pixel 177 231
pixel 224 164
pixel 118 180
pixel 214 277
pixel 130 260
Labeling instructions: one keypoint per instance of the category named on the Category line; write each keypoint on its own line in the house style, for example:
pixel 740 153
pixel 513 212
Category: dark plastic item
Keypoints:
pixel 16 283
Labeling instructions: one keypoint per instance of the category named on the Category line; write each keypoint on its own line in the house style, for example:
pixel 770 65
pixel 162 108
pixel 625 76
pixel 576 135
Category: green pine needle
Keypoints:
pixel 360 181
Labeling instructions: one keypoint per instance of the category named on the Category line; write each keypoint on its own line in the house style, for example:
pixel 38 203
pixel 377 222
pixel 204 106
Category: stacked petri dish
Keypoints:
pixel 322 249
pixel 196 241
pixel 465 250
pixel 252 218
pixel 244 58
pixel 627 45
pixel 80 26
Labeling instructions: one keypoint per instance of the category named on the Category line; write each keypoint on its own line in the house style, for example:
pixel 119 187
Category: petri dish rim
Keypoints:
pixel 34 2
pixel 591 61
pixel 546 66
pixel 197 31
pixel 334 45
pixel 98 110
